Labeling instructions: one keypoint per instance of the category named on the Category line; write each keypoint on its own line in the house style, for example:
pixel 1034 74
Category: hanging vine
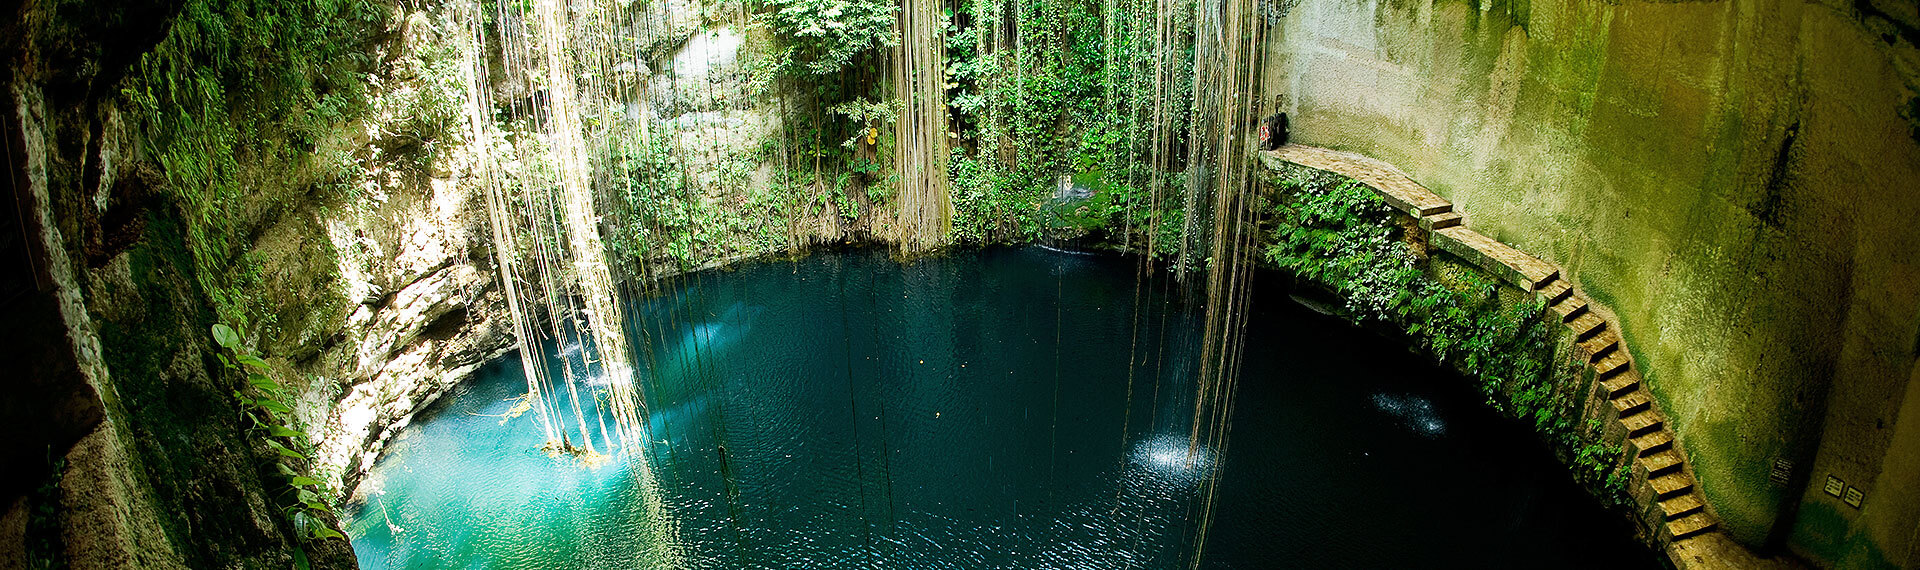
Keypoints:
pixel 920 77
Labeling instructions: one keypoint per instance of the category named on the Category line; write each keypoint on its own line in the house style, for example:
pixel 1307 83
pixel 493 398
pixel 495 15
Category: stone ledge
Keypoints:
pixel 1524 271
pixel 1663 481
pixel 1394 186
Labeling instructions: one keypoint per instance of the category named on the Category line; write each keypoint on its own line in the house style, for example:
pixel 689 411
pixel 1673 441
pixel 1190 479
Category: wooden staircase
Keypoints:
pixel 1656 463
pixel 1661 483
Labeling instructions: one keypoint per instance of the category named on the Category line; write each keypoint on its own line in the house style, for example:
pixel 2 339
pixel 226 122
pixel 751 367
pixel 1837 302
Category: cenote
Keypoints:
pixel 959 284
pixel 998 408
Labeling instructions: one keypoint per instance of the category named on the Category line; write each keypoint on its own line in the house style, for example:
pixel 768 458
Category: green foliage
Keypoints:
pixel 867 116
pixel 1077 93
pixel 250 82
pixel 262 402
pixel 989 207
pixel 41 544
pixel 1158 231
pixel 663 217
pixel 1597 464
pixel 430 108
pixel 824 37
pixel 1072 87
pixel 838 146
pixel 1342 237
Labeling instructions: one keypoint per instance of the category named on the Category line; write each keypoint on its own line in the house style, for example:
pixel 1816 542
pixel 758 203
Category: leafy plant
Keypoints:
pixel 867 116
pixel 823 37
pixel 1076 88
pixel 262 400
pixel 239 86
pixel 1337 234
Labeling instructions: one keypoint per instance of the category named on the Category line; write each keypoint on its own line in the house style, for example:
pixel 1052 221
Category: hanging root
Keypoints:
pixel 920 79
pixel 565 449
pixel 521 405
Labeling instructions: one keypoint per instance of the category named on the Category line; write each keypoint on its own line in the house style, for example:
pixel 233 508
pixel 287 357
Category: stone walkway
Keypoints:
pixel 1662 484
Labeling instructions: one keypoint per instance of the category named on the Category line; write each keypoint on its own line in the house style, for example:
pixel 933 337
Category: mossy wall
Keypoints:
pixel 1736 180
pixel 301 171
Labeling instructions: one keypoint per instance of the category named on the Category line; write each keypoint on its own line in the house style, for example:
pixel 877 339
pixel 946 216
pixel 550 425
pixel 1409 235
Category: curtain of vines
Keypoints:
pixel 920 80
pixel 1099 89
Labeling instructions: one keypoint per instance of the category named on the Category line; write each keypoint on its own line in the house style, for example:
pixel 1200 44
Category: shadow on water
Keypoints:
pixel 1000 409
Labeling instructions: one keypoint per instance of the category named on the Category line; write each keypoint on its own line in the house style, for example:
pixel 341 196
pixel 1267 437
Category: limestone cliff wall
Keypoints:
pixel 1736 180
pixel 363 257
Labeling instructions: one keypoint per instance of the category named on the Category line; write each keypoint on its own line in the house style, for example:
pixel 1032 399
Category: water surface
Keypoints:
pixel 1013 408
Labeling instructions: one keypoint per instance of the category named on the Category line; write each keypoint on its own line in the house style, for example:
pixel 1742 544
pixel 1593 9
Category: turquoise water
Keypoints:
pixel 1017 408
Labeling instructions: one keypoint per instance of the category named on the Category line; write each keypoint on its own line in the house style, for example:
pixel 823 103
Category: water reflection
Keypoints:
pixel 1174 459
pixel 1413 412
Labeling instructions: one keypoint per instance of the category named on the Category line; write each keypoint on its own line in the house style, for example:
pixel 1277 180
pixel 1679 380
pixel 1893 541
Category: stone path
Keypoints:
pixel 1662 484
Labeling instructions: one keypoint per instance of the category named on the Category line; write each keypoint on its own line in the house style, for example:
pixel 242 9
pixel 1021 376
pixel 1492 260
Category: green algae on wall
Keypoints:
pixel 1733 179
pixel 1824 532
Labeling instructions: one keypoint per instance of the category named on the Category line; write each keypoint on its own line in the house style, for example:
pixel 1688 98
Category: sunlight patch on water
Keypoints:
pixel 1174 460
pixel 1414 412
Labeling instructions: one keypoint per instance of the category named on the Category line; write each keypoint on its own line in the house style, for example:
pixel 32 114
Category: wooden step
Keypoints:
pixel 1601 344
pixel 1539 272
pixel 1570 308
pixel 1661 463
pixel 1682 505
pixel 1670 485
pixel 1611 365
pixel 1633 403
pixel 1557 291
pixel 1620 384
pixel 1690 525
pixel 1587 325
pixel 1655 442
pixel 1641 424
pixel 1441 220
pixel 1511 265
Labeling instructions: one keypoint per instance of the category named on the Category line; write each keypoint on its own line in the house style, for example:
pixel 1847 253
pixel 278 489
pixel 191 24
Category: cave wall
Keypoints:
pixel 357 252
pixel 1735 180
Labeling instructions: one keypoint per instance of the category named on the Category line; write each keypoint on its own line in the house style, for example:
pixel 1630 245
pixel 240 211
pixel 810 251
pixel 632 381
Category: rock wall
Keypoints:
pixel 1734 180
pixel 407 302
pixel 363 253
pixel 375 296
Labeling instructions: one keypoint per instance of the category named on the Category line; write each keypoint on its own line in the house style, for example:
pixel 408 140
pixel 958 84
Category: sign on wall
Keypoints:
pixel 1854 497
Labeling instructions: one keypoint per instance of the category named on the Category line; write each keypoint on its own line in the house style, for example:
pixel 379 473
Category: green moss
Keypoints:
pixel 240 93
pixel 188 452
pixel 1735 480
pixel 43 548
pixel 166 415
pixel 1911 112
pixel 1826 534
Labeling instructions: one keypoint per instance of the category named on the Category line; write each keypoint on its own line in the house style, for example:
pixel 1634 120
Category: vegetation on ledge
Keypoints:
pixel 1337 234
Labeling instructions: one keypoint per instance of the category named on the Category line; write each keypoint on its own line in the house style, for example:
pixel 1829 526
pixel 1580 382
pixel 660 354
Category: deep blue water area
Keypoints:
pixel 1005 408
